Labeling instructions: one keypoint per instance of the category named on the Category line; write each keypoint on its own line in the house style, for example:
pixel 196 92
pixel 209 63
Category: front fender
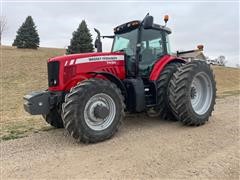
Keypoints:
pixel 112 78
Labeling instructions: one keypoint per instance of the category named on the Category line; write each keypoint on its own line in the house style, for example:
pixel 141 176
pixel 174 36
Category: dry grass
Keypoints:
pixel 24 70
pixel 228 80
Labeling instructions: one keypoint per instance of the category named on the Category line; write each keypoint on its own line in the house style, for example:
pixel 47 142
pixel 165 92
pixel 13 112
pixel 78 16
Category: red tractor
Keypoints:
pixel 89 93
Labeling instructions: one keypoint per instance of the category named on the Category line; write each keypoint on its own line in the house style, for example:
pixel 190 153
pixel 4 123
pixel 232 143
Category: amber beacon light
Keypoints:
pixel 166 17
pixel 200 47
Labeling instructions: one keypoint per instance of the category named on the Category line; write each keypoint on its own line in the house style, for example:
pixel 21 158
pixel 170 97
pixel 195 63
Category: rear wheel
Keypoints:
pixel 163 110
pixel 192 93
pixel 93 110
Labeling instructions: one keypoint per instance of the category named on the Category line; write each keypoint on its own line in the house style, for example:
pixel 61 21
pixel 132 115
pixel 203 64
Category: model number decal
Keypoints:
pixel 111 62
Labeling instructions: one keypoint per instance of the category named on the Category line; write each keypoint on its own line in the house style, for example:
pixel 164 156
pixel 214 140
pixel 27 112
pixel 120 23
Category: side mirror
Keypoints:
pixel 148 22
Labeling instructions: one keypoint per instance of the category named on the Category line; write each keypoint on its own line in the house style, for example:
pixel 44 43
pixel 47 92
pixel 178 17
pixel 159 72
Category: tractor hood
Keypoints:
pixel 83 57
pixel 66 71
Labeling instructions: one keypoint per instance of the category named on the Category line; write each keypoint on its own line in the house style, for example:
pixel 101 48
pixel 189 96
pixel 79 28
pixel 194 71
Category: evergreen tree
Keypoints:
pixel 27 35
pixel 81 41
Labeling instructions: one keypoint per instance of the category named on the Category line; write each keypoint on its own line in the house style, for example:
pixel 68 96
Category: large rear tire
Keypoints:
pixel 192 93
pixel 163 110
pixel 93 110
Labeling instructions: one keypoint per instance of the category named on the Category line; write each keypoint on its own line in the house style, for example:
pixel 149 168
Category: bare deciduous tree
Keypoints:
pixel 3 26
pixel 222 60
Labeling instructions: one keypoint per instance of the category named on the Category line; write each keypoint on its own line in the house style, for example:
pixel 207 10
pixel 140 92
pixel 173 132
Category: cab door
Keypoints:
pixel 153 47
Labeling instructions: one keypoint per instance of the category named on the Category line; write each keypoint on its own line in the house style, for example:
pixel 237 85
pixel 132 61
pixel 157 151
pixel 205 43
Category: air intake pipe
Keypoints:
pixel 98 43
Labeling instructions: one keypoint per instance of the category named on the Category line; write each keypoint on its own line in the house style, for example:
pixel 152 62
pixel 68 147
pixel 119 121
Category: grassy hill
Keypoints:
pixel 228 80
pixel 24 70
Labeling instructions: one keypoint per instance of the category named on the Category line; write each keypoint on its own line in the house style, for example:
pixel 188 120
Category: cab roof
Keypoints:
pixel 129 26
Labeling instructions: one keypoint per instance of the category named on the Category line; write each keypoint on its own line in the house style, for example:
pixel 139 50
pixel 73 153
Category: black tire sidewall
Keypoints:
pixel 162 91
pixel 79 115
pixel 54 118
pixel 199 69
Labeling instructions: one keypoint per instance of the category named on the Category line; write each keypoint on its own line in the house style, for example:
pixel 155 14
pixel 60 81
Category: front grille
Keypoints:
pixel 53 73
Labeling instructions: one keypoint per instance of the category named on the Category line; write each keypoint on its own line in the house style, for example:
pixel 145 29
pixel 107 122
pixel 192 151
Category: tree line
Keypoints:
pixel 28 37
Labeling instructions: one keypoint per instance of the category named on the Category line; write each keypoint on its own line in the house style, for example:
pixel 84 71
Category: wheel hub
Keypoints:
pixel 193 93
pixel 201 93
pixel 101 111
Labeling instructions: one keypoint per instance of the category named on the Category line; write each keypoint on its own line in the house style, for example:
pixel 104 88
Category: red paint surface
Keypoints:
pixel 161 63
pixel 70 75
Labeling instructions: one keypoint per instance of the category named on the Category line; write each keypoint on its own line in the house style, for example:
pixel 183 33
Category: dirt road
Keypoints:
pixel 143 148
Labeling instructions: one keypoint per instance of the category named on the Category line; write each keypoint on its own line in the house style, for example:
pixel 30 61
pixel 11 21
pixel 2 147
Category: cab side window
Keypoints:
pixel 157 46
pixel 152 48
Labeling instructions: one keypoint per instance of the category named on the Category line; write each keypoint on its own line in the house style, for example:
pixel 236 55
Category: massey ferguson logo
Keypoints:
pixel 104 58
pixel 95 59
pixel 107 59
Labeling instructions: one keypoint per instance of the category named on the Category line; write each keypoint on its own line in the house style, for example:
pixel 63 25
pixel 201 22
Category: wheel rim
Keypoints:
pixel 201 93
pixel 97 121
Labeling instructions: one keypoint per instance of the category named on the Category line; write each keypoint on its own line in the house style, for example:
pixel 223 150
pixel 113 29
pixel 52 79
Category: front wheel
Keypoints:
pixel 54 118
pixel 93 110
pixel 192 93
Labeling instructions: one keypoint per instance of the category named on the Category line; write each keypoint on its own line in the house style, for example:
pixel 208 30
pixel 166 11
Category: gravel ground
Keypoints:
pixel 143 148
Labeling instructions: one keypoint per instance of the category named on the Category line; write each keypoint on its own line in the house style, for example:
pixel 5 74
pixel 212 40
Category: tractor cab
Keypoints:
pixel 143 44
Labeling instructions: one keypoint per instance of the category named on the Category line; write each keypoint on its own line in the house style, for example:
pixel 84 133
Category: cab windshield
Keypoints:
pixel 126 42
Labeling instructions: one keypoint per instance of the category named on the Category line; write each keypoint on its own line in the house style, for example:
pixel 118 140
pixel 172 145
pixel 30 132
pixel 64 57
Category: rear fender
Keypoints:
pixel 161 63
